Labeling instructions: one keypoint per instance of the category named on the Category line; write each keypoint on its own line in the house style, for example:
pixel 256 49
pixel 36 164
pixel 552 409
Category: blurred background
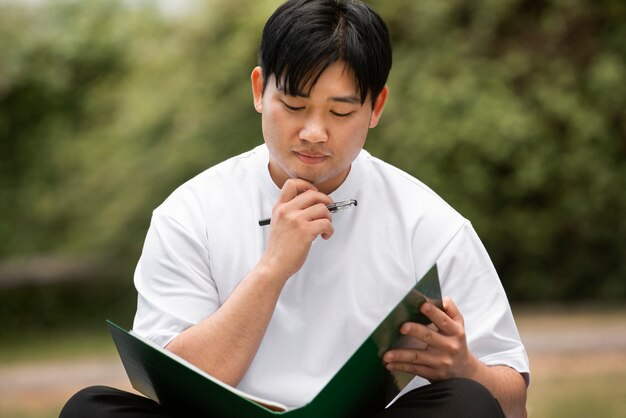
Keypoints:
pixel 514 111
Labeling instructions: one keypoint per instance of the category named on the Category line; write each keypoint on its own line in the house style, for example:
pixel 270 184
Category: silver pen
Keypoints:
pixel 333 207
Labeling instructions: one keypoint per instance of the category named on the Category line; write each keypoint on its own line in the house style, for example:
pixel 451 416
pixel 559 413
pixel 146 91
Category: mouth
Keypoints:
pixel 311 157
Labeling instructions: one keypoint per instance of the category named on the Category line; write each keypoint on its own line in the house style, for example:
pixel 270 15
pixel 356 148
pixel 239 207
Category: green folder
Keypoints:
pixel 358 387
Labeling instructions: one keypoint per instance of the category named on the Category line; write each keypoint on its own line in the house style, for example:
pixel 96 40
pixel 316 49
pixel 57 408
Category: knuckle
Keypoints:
pixel 444 322
pixel 281 212
pixel 442 376
pixel 321 207
pixel 428 337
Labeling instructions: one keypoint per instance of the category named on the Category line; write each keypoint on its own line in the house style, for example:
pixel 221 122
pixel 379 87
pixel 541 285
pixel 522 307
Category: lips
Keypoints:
pixel 310 157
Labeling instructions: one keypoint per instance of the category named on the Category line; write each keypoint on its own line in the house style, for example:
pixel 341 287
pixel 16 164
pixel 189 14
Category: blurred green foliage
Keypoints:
pixel 513 110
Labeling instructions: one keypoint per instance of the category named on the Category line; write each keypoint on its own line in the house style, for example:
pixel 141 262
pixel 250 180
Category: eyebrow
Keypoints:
pixel 339 99
pixel 346 99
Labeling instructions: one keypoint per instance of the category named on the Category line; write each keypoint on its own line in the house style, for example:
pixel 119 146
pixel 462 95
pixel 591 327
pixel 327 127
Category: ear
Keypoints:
pixel 257 88
pixel 379 105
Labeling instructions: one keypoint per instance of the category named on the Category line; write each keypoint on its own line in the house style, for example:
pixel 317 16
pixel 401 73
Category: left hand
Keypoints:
pixel 446 354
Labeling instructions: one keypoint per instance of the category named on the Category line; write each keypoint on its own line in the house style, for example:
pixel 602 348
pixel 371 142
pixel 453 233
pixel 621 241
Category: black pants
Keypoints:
pixel 450 398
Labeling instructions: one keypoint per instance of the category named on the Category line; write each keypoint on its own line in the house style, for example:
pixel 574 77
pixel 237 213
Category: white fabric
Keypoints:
pixel 205 238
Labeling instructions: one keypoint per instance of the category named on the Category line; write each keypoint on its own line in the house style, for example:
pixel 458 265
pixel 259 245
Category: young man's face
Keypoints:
pixel 315 137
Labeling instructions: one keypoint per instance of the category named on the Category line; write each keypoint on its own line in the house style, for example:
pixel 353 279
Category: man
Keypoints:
pixel 274 309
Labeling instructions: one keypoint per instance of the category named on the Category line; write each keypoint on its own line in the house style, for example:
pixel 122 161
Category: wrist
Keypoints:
pixel 474 369
pixel 270 273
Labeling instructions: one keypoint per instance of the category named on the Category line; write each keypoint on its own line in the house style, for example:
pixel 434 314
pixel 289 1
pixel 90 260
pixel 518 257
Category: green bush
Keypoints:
pixel 514 111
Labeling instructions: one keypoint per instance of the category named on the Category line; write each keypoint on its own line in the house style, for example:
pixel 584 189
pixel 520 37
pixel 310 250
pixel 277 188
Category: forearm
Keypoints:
pixel 507 386
pixel 225 343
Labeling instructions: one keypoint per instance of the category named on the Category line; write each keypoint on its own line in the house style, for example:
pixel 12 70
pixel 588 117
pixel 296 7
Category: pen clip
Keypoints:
pixel 337 206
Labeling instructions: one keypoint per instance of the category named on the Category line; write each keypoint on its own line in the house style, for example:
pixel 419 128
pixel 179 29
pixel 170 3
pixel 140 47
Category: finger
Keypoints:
pixel 416 298
pixel 452 310
pixel 309 199
pixel 427 372
pixel 306 206
pixel 318 210
pixel 293 188
pixel 318 220
pixel 323 227
pixel 400 356
pixel 440 319
pixel 426 334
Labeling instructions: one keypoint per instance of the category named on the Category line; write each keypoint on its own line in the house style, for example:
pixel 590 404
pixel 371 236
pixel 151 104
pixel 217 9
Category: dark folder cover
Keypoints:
pixel 352 392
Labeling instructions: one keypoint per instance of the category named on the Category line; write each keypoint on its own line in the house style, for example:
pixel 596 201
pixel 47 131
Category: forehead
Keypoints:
pixel 337 77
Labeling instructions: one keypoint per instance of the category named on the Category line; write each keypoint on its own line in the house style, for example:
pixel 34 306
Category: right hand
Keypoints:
pixel 299 216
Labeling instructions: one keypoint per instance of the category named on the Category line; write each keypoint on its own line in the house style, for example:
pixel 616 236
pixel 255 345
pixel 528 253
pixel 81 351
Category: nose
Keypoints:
pixel 314 131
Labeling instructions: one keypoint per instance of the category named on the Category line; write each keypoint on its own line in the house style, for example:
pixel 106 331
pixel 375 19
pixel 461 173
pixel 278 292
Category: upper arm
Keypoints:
pixel 173 280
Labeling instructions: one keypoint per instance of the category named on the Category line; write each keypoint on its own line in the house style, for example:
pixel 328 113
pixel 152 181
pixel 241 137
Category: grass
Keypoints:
pixel 586 376
pixel 45 413
pixel 27 351
pixel 602 395
pixel 56 345
pixel 572 385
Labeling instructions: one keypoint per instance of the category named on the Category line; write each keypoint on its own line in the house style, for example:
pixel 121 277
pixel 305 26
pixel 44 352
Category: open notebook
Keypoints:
pixel 357 386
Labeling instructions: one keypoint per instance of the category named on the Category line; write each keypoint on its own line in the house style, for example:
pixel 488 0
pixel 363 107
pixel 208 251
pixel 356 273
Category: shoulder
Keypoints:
pixel 226 173
pixel 217 185
pixel 406 192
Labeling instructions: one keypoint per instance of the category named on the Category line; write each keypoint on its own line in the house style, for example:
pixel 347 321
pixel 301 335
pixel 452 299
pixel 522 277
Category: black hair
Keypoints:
pixel 304 37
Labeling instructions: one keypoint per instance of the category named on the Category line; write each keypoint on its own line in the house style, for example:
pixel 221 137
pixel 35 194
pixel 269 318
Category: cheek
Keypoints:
pixel 275 126
pixel 349 149
pixel 355 138
pixel 354 150
pixel 269 127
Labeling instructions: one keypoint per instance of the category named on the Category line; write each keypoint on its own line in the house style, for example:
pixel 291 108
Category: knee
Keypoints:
pixel 449 398
pixel 470 398
pixel 83 403
pixel 470 388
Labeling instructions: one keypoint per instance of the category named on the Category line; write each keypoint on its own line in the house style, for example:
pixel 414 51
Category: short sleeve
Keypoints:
pixel 468 276
pixel 470 279
pixel 173 278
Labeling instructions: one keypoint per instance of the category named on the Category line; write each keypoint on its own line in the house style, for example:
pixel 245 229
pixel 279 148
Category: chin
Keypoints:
pixel 304 175
pixel 311 180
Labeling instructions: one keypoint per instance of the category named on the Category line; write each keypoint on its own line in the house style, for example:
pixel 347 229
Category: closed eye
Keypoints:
pixel 292 108
pixel 342 115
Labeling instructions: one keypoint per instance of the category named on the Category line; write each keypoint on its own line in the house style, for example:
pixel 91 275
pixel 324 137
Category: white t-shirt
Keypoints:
pixel 205 238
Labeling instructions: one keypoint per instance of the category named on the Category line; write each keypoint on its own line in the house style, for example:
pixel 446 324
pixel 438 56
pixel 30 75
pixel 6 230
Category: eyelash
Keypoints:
pixel 295 109
pixel 292 108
